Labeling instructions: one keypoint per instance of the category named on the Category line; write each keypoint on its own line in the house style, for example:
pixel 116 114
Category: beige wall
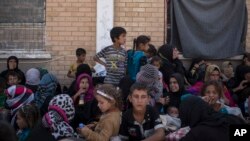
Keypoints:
pixel 72 23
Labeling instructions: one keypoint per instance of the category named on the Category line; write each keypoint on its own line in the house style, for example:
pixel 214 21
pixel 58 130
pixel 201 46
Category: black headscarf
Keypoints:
pixel 166 52
pixel 16 59
pixel 180 81
pixel 194 112
pixel 83 68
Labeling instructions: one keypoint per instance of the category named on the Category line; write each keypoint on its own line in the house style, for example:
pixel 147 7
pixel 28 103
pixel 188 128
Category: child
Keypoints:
pixel 148 75
pixel 2 95
pixel 151 52
pixel 171 120
pixel 137 56
pixel 81 55
pixel 110 104
pixel 212 92
pixel 173 111
pixel 17 96
pixel 7 132
pixel 32 79
pixel 55 124
pixel 84 87
pixel 13 78
pixel 156 61
pixel 27 117
pixel 115 57
pixel 141 122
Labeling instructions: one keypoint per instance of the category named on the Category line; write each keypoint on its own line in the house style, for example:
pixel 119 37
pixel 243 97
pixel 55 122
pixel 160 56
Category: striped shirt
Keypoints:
pixel 116 63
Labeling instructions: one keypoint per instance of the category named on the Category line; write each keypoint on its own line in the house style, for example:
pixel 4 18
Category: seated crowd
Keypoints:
pixel 145 94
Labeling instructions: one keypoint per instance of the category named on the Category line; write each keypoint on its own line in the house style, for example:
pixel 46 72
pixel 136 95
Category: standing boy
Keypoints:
pixel 141 122
pixel 115 57
pixel 81 55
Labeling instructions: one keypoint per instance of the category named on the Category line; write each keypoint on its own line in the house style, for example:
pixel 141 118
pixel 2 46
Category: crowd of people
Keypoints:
pixel 147 94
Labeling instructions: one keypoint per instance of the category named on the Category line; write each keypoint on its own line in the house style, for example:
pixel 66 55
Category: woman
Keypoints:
pixel 54 125
pixel 205 123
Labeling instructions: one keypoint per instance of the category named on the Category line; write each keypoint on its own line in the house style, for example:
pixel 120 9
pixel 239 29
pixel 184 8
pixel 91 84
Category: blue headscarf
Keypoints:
pixel 46 87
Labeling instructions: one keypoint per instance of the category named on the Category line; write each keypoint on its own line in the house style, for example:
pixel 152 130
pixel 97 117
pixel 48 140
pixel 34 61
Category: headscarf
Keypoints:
pixel 89 94
pixel 83 68
pixel 15 58
pixel 149 76
pixel 180 80
pixel 17 96
pixel 175 97
pixel 32 76
pixel 46 87
pixel 42 71
pixel 194 111
pixel 166 52
pixel 209 70
pixel 60 111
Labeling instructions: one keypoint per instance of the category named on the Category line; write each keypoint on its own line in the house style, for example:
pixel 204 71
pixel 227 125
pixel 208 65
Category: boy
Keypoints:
pixel 81 55
pixel 115 57
pixel 141 122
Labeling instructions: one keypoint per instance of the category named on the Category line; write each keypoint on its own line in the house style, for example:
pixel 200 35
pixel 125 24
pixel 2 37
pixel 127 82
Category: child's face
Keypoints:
pixel 215 75
pixel 175 53
pixel 84 85
pixel 21 123
pixel 139 99
pixel 173 85
pixel 122 39
pixel 212 93
pixel 247 76
pixel 228 71
pixel 173 112
pixel 82 57
pixel 157 64
pixel 144 47
pixel 12 64
pixel 103 104
pixel 13 80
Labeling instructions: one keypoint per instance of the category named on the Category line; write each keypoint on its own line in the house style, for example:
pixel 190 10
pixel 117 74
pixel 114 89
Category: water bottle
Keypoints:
pixel 81 100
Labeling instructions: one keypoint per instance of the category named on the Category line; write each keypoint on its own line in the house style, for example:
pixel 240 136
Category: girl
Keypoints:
pixel 84 87
pixel 212 92
pixel 27 117
pixel 110 104
pixel 213 73
pixel 17 96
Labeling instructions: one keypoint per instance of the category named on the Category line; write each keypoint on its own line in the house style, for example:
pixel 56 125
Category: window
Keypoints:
pixel 22 25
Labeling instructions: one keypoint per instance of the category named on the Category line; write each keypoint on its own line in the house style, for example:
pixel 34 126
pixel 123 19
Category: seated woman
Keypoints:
pixel 205 123
pixel 12 65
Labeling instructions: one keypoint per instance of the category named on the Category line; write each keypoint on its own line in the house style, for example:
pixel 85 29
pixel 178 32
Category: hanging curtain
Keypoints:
pixel 209 29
